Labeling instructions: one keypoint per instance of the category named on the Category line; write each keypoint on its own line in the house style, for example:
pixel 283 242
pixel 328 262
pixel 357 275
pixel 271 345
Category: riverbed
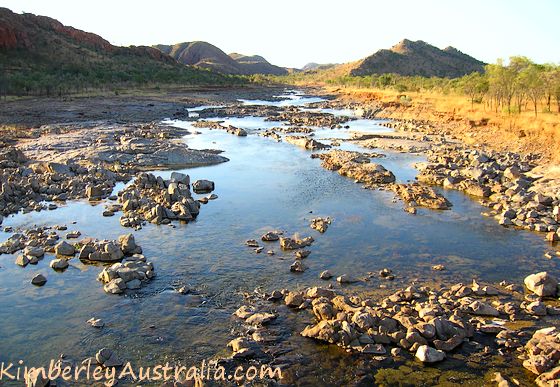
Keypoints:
pixel 266 185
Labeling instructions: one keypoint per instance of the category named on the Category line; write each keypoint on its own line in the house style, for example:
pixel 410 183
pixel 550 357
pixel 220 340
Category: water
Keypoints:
pixel 265 185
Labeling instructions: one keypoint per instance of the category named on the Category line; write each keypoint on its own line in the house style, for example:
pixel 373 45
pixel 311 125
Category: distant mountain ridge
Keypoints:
pixel 206 55
pixel 418 58
pixel 40 55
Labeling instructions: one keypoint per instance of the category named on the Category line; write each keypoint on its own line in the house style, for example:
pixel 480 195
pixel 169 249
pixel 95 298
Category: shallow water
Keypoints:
pixel 265 185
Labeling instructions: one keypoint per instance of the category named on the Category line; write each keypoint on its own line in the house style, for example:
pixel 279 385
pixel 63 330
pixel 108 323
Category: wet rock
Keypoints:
pixel 293 299
pixel 34 251
pixel 252 243
pixel 128 245
pixel 244 312
pixel 428 354
pixel 115 286
pixel 59 264
pixel 270 236
pixel 39 280
pixel 306 142
pixel 64 248
pixel 96 322
pixel 438 267
pixel 22 260
pixel 298 267
pixel 302 254
pixel 421 195
pixel 259 319
pixel 107 358
pixel 542 284
pixel 320 224
pixel 346 279
pixel 203 186
pixel 325 275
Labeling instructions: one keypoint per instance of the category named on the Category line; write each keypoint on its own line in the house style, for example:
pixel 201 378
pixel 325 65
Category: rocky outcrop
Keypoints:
pixel 357 166
pixel 421 195
pixel 155 200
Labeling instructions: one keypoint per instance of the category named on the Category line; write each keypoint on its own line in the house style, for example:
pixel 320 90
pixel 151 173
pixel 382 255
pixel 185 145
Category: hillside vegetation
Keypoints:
pixel 40 56
pixel 509 106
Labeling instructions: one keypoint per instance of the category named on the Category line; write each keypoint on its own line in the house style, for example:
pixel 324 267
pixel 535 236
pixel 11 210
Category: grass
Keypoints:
pixel 522 132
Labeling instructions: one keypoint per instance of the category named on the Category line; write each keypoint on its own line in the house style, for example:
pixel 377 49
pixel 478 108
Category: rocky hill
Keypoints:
pixel 418 58
pixel 206 55
pixel 40 55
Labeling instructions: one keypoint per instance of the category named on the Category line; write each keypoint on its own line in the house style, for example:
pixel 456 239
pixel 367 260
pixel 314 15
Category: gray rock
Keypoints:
pixel 428 354
pixel 65 248
pixel 134 284
pixel 22 260
pixel 203 186
pixel 39 280
pixel 108 358
pixel 542 284
pixel 325 275
pixel 59 264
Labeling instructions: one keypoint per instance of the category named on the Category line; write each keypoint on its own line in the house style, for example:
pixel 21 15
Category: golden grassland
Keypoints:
pixel 519 132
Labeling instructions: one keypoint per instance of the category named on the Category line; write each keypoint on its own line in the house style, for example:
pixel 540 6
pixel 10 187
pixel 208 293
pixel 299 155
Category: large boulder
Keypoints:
pixel 542 284
pixel 65 248
pixel 427 354
pixel 203 186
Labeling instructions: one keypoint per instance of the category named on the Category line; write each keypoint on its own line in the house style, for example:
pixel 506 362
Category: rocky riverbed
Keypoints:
pixel 326 280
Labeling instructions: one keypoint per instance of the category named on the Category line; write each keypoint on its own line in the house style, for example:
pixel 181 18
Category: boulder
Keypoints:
pixel 178 177
pixel 59 264
pixel 39 280
pixel 203 186
pixel 65 248
pixel 427 354
pixel 542 284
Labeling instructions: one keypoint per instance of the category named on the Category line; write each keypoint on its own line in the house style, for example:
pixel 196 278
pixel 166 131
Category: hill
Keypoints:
pixel 418 58
pixel 39 55
pixel 206 55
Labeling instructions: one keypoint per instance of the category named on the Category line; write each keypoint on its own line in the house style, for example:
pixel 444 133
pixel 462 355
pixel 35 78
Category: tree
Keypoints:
pixel 533 83
pixel 475 85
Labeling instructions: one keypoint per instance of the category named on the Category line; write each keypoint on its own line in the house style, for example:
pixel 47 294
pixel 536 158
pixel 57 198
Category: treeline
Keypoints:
pixel 34 76
pixel 518 86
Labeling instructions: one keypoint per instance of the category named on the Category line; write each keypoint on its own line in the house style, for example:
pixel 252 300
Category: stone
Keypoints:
pixel 59 264
pixel 39 280
pixel 134 284
pixel 438 267
pixel 536 308
pixel 298 267
pixel 302 254
pixel 320 224
pixel 482 309
pixel 325 275
pixel 178 177
pixel 108 358
pixel 244 312
pixel 94 192
pixel 542 284
pixel 128 245
pixel 115 286
pixel 65 248
pixel 96 322
pixel 270 236
pixel 34 251
pixel 203 186
pixel 346 279
pixel 374 349
pixel 22 260
pixel 259 319
pixel 293 299
pixel 427 354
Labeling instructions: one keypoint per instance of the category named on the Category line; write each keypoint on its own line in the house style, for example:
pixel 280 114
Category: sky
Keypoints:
pixel 291 33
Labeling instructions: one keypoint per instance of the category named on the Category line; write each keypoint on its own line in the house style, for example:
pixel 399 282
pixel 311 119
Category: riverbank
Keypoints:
pixel 473 124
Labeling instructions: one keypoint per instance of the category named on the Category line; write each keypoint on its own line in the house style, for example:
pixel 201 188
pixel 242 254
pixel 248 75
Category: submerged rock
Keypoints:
pixel 39 280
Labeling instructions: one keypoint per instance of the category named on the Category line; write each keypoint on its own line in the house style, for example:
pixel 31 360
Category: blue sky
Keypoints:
pixel 293 32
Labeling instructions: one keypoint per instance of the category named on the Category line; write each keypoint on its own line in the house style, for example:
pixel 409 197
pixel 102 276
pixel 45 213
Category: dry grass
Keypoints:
pixel 519 132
